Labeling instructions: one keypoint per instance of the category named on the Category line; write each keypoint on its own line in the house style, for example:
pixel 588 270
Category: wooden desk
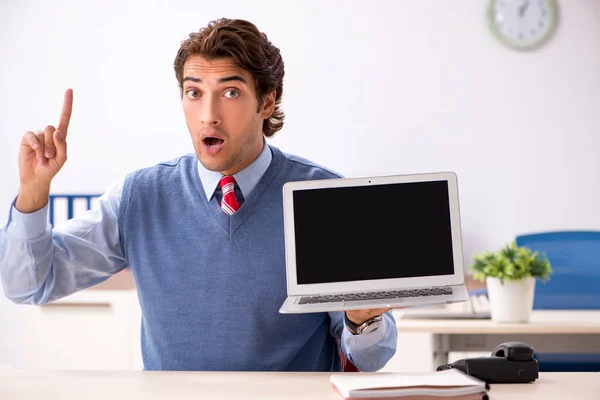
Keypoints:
pixel 565 331
pixel 134 385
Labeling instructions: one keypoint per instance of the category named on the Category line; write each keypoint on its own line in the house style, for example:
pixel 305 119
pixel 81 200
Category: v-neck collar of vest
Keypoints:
pixel 230 223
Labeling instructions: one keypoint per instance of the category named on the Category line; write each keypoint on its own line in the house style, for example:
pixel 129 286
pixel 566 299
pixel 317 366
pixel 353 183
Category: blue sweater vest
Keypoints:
pixel 210 285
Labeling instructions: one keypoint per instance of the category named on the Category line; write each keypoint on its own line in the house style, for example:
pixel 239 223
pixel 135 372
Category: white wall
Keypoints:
pixel 372 87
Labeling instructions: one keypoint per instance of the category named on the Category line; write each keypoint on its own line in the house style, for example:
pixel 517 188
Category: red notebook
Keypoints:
pixel 450 384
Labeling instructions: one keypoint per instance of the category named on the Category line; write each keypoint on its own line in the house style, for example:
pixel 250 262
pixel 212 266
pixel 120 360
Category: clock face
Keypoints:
pixel 522 24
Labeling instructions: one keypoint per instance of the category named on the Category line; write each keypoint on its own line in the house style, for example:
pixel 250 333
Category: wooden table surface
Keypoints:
pixel 146 385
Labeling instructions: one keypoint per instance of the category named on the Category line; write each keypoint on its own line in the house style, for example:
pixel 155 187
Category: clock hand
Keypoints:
pixel 523 8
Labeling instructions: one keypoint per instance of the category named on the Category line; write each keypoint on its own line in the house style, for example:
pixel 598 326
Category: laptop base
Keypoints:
pixel 292 306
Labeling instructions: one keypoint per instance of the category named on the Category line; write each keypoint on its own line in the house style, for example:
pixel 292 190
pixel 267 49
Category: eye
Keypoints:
pixel 232 93
pixel 192 93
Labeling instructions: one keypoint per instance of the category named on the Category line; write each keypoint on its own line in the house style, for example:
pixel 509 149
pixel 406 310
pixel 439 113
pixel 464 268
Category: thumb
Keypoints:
pixel 61 147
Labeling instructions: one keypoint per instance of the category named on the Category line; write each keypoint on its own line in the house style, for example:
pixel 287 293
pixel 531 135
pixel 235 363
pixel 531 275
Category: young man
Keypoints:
pixel 202 234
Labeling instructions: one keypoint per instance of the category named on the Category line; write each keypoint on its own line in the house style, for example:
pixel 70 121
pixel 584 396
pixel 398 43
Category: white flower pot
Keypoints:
pixel 511 301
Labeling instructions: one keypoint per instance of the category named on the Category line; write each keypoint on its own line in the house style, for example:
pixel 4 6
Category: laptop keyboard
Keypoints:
pixel 390 294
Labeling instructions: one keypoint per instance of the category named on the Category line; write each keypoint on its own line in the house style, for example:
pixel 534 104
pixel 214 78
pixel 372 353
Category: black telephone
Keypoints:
pixel 510 362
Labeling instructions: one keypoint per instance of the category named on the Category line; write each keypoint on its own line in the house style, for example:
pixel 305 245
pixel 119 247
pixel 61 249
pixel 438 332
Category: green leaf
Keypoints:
pixel 511 262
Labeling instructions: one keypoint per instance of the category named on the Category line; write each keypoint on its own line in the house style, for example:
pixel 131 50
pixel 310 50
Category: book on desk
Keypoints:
pixel 449 384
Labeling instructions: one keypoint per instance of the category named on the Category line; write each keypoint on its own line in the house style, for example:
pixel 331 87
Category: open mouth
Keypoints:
pixel 213 142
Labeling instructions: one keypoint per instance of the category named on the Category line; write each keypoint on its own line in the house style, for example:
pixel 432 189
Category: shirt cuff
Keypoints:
pixel 28 226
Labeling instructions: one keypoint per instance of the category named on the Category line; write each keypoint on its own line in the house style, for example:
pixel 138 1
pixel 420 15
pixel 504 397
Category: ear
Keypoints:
pixel 268 105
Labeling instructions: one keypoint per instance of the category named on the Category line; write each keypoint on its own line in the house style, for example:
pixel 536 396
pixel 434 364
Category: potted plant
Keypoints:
pixel 510 274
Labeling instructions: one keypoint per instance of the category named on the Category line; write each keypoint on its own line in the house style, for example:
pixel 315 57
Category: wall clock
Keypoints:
pixel 522 24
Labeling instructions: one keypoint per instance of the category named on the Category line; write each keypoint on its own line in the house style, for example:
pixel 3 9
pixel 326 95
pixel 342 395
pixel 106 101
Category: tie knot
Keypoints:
pixel 227 183
pixel 229 203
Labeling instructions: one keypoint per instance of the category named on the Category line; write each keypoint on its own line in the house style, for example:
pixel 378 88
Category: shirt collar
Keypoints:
pixel 247 179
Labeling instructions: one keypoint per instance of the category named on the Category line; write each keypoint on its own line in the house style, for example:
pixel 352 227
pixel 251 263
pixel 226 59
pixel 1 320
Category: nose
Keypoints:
pixel 210 114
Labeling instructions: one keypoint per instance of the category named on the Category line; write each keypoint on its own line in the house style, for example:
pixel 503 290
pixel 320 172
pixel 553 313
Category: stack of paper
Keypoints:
pixel 450 384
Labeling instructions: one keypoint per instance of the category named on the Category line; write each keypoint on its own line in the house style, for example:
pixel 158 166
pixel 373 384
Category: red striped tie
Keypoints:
pixel 229 203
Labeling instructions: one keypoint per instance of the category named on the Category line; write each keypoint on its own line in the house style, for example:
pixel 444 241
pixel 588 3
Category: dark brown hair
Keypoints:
pixel 250 49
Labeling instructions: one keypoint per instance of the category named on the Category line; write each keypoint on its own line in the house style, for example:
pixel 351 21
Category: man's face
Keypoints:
pixel 222 115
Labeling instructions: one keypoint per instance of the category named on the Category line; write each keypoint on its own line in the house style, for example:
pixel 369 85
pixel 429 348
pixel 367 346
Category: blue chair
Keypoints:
pixel 574 285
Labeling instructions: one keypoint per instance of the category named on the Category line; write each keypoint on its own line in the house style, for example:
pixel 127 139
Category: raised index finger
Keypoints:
pixel 65 115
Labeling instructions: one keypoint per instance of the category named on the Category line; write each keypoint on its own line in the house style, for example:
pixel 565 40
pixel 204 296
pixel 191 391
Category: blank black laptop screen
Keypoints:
pixel 373 232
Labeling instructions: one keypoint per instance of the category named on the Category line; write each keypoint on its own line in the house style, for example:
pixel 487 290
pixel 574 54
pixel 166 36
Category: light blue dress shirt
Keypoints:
pixel 96 235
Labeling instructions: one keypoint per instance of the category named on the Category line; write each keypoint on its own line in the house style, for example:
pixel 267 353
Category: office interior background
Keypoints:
pixel 371 88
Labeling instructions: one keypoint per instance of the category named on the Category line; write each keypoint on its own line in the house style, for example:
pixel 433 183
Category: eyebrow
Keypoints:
pixel 221 80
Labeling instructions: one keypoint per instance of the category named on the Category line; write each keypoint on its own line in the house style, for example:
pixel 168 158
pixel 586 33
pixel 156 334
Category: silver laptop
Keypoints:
pixel 386 241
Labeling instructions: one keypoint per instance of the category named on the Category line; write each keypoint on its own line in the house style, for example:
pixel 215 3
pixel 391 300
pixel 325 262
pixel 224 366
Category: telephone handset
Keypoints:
pixel 514 351
pixel 510 362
